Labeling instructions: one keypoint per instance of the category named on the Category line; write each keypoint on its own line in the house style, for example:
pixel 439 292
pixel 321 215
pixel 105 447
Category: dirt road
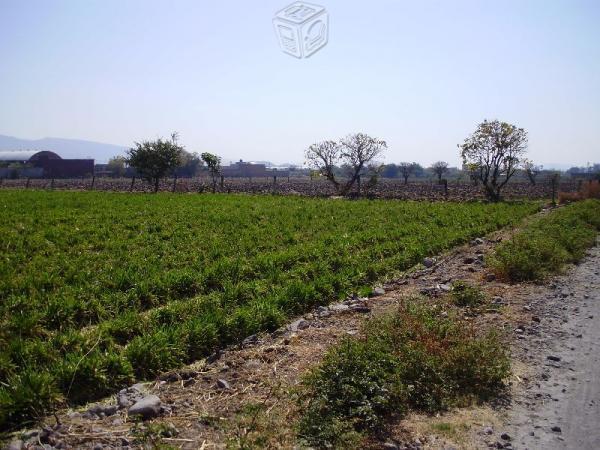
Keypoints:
pixel 558 404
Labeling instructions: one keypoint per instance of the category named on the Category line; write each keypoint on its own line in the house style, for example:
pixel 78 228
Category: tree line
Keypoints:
pixel 491 155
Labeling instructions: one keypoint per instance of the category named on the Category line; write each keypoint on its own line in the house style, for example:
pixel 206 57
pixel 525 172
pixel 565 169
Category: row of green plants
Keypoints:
pixel 99 289
pixel 549 242
pixel 414 359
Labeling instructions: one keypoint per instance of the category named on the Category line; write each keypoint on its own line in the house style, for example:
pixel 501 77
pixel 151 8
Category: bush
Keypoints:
pixel 351 391
pixel 463 294
pixel 412 359
pixel 551 241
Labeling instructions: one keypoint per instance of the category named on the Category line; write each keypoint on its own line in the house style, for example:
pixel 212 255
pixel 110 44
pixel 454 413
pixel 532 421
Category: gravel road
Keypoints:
pixel 558 404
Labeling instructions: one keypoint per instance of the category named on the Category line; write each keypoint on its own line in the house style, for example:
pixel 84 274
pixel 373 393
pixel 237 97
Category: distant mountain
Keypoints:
pixel 66 148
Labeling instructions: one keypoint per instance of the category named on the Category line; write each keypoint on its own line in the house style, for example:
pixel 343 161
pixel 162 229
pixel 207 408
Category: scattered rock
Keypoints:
pixel 428 262
pixel 299 324
pixel 445 287
pixel 223 384
pixel 147 407
pixel 338 307
pixel 553 358
pixel 505 436
pixel 102 410
pixel 468 260
pixel 378 291
pixel 250 340
pixel 361 309
pixel 490 277
pixel 488 430
pixel 556 429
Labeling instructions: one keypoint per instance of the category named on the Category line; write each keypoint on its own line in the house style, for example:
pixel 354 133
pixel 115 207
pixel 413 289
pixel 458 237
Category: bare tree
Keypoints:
pixel 406 169
pixel 358 151
pixel 354 154
pixel 323 157
pixel 495 149
pixel 532 171
pixel 439 168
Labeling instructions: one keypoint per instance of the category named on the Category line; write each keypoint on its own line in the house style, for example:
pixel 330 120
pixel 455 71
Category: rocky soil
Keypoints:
pixel 245 396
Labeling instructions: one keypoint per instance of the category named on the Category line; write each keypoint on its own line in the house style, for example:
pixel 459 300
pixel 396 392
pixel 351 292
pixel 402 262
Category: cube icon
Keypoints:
pixel 302 29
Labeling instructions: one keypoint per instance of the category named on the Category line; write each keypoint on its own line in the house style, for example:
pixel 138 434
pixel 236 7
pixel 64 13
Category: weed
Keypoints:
pixel 465 295
pixel 544 246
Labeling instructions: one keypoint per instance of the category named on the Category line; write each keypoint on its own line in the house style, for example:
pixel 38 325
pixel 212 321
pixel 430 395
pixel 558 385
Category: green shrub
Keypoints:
pixel 351 391
pixel 412 359
pixel 464 294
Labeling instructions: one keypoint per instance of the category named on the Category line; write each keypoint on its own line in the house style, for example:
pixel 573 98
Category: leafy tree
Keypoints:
pixel 354 153
pixel 531 170
pixel 439 168
pixel 390 171
pixel 406 169
pixel 190 164
pixel 117 165
pixel 154 160
pixel 495 149
pixel 213 162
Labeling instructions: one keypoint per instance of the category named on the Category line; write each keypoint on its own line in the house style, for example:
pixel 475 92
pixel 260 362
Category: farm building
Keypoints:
pixel 242 169
pixel 43 164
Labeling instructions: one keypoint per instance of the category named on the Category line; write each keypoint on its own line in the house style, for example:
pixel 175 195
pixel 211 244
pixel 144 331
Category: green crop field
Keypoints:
pixel 100 289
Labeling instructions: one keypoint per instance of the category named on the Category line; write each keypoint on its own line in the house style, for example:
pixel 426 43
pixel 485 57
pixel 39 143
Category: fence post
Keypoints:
pixel 274 179
pixel 222 180
pixel 52 184
pixel 174 183
pixel 132 183
pixel 93 182
pixel 26 184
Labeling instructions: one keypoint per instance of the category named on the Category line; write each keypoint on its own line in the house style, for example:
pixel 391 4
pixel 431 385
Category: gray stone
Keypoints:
pixel 428 262
pixel 490 277
pixel 556 429
pixel 378 291
pixel 445 287
pixel 250 340
pixel 105 410
pixel 505 436
pixel 223 384
pixel 299 324
pixel 147 407
pixel 338 307
pixel 553 358
pixel 488 430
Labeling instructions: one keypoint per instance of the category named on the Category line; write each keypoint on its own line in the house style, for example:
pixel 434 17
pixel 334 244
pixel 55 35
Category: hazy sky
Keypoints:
pixel 419 74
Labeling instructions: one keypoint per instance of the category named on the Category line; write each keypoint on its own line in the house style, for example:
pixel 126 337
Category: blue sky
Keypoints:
pixel 419 74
